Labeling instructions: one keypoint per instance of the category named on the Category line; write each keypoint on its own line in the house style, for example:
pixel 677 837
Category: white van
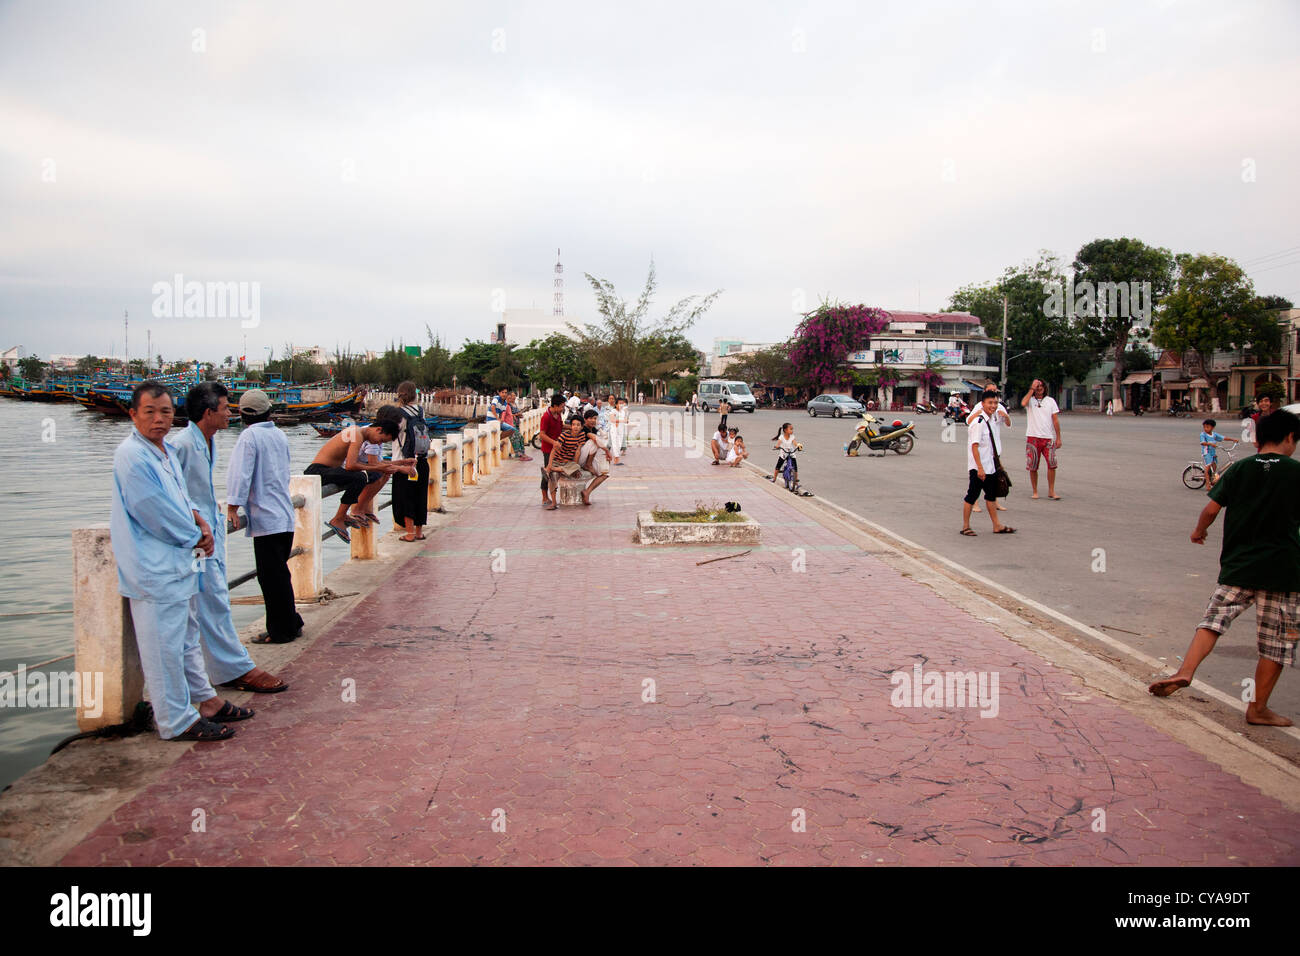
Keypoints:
pixel 714 390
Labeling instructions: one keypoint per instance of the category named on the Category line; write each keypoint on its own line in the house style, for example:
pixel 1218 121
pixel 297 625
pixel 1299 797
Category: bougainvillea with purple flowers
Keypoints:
pixel 821 344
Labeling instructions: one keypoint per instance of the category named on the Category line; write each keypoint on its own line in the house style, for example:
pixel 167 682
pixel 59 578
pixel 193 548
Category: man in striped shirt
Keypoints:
pixel 564 459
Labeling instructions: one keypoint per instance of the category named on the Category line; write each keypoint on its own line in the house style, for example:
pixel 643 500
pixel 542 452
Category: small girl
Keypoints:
pixel 788 447
pixel 737 453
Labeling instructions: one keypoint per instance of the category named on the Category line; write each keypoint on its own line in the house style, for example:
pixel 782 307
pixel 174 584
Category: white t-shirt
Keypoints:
pixel 978 432
pixel 724 442
pixel 1040 412
pixel 787 446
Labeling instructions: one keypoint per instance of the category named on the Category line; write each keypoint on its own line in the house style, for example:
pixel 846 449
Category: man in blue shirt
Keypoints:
pixel 259 480
pixel 208 407
pixel 159 537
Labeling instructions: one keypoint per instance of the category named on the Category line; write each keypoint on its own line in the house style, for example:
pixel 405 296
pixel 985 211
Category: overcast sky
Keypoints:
pixel 378 166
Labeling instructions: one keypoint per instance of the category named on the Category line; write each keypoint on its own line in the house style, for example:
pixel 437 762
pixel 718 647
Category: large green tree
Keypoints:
pixel 627 345
pixel 474 362
pixel 31 368
pixel 1213 307
pixel 556 362
pixel 1042 344
pixel 1122 280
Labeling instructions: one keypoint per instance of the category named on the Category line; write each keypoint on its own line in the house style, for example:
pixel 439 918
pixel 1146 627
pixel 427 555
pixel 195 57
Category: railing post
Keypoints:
pixel 435 474
pixel 307 570
pixel 365 541
pixel 455 458
pixel 103 630
pixel 494 446
pixel 470 466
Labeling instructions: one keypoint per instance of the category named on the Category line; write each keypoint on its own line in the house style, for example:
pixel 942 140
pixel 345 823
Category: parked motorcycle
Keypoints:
pixel 875 435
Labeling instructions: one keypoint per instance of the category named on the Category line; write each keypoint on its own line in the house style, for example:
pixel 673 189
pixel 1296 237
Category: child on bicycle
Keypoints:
pixel 788 448
pixel 1210 440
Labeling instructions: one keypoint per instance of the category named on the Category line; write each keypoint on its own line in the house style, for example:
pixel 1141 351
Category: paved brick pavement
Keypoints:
pixel 516 698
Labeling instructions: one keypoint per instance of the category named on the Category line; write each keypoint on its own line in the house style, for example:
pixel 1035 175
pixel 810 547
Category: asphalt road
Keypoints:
pixel 1120 480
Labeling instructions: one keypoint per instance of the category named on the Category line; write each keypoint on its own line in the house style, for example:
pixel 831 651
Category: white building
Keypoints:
pixel 728 351
pixel 521 326
pixel 11 356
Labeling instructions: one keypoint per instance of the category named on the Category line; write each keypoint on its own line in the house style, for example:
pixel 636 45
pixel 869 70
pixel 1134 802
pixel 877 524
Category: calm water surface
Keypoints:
pixel 46 490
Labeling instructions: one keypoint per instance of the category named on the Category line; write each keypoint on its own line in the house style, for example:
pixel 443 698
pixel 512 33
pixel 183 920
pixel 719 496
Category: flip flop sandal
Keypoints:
pixel 341 532
pixel 263 688
pixel 230 713
pixel 1005 529
pixel 269 639
pixel 968 532
pixel 372 517
pixel 205 731
pixel 355 521
pixel 408 539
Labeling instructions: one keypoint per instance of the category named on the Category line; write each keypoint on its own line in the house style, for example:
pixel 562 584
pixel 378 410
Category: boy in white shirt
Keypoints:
pixel 983 438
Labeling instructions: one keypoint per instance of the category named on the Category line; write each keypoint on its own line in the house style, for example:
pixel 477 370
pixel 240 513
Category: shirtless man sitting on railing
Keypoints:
pixel 339 462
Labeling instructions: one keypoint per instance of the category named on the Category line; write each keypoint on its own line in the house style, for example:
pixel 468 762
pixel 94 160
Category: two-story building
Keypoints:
pixel 954 341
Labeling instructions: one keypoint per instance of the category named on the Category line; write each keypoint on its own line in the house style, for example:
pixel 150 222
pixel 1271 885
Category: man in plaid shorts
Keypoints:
pixel 1260 563
pixel 1042 435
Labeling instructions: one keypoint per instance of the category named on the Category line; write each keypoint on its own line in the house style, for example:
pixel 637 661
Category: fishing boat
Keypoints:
pixel 435 423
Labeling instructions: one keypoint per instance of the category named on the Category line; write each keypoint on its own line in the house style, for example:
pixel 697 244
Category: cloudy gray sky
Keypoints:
pixel 378 166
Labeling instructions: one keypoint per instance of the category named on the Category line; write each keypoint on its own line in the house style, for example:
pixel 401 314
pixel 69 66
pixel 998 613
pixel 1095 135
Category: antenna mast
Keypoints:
pixel 559 286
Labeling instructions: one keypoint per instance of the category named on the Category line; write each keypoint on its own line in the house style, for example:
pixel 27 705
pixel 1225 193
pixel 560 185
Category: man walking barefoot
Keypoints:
pixel 1042 435
pixel 1259 564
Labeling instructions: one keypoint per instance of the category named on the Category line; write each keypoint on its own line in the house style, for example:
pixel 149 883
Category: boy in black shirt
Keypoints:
pixel 1260 562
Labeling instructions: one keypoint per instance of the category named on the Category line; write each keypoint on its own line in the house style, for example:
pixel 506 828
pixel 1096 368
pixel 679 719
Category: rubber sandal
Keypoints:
pixel 341 532
pixel 230 713
pixel 1005 529
pixel 968 532
pixel 409 539
pixel 355 521
pixel 371 517
pixel 272 685
pixel 205 731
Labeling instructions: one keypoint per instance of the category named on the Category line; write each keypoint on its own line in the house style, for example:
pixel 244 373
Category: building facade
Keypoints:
pixel 953 341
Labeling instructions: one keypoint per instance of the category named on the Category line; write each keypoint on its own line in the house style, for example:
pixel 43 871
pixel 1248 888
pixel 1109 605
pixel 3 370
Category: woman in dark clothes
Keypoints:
pixel 411 494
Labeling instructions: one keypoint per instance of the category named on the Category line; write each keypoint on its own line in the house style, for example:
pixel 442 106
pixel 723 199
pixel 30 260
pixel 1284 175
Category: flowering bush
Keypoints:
pixel 821 344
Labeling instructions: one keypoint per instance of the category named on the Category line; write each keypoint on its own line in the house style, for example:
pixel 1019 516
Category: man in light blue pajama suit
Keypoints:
pixel 156 530
pixel 229 665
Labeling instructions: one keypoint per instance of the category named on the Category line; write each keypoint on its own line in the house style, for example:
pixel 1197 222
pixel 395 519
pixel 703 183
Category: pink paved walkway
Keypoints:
pixel 516 697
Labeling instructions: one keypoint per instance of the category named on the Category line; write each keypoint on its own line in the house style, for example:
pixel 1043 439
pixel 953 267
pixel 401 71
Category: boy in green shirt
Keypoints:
pixel 1260 562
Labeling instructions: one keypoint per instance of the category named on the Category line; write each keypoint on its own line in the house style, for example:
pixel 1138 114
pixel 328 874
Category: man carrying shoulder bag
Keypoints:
pixel 984 466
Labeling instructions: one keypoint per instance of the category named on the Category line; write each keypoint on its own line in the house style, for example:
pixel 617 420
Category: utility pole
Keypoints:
pixel 126 341
pixel 1002 385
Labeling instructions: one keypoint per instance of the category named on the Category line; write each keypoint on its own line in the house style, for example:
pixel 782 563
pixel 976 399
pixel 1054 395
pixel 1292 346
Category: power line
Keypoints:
pixel 1272 255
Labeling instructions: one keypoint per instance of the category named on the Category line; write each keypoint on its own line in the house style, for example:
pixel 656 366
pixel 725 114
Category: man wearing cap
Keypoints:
pixel 258 479
pixel 229 665
pixel 160 539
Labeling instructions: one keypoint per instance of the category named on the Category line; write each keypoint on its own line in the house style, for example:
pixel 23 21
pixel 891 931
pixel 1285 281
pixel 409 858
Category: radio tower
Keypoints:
pixel 559 286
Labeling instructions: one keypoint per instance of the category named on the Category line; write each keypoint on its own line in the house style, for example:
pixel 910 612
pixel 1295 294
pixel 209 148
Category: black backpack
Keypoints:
pixel 417 433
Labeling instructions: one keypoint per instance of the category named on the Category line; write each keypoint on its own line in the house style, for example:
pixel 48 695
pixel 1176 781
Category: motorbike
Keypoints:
pixel 925 408
pixel 956 413
pixel 875 435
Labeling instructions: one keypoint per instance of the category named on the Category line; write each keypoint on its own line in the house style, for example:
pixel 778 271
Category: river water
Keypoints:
pixel 48 488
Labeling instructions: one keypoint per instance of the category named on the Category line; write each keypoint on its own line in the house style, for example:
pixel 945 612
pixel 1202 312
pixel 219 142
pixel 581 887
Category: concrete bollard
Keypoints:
pixel 102 629
pixel 469 449
pixel 454 465
pixel 365 542
pixel 435 474
pixel 494 445
pixel 308 569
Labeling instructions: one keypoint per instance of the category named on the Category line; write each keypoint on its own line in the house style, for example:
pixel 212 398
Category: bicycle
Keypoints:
pixel 790 474
pixel 1194 473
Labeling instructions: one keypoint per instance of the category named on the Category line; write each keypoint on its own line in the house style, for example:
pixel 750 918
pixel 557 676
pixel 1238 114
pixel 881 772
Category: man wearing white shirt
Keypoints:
pixel 1001 415
pixel 983 438
pixel 1042 435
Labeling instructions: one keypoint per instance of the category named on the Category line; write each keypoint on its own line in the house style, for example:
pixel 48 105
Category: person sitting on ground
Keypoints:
pixel 720 444
pixel 737 453
pixel 1259 564
pixel 340 462
pixel 1210 441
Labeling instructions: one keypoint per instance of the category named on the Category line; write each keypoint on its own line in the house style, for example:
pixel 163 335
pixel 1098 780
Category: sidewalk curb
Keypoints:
pixel 1272 774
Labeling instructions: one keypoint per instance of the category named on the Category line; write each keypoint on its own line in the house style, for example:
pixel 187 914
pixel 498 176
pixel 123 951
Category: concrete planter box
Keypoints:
pixel 650 531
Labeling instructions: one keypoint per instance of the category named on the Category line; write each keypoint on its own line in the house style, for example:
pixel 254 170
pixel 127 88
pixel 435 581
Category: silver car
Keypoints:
pixel 836 406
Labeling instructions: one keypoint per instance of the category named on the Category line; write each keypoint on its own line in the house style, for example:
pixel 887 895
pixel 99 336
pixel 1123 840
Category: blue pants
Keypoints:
pixel 172 659
pixel 226 657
